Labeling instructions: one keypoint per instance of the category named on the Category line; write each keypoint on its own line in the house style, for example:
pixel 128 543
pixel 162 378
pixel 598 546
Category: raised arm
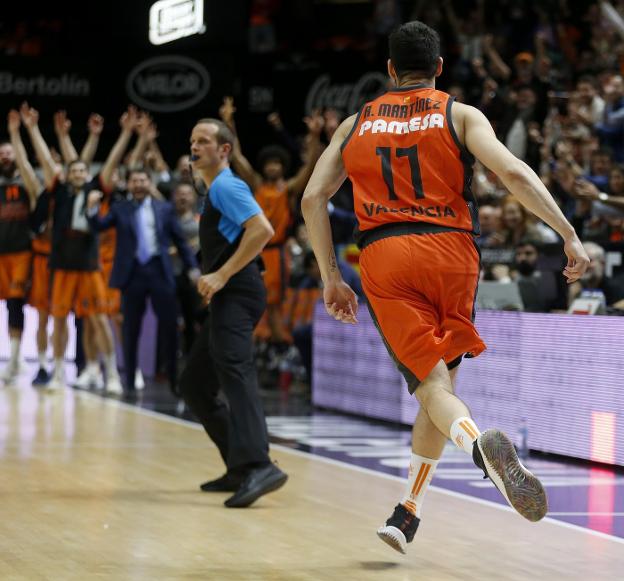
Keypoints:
pixel 62 126
pixel 30 119
pixel 31 183
pixel 239 162
pixel 327 177
pixel 146 132
pixel 315 123
pixel 521 181
pixel 95 125
pixel 128 122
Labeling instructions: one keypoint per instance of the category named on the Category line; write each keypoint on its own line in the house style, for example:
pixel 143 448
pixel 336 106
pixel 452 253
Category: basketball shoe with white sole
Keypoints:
pixel 399 529
pixel 494 453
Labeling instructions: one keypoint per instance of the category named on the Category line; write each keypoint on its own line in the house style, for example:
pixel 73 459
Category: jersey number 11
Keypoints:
pixel 386 169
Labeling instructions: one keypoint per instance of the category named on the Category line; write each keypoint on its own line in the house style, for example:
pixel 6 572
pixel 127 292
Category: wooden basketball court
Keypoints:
pixel 95 489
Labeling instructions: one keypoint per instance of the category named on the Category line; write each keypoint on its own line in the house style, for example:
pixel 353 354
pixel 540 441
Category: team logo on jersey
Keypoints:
pixel 399 127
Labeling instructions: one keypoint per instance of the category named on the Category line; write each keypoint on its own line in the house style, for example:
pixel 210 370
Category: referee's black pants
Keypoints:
pixel 221 359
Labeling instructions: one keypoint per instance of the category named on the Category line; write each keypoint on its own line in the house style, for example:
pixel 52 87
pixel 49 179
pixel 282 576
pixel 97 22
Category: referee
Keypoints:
pixel 232 233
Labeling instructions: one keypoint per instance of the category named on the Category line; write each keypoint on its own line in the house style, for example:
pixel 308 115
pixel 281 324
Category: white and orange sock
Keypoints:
pixel 463 433
pixel 421 471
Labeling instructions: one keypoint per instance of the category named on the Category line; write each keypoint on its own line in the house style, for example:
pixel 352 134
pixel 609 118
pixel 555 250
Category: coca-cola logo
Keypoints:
pixel 347 97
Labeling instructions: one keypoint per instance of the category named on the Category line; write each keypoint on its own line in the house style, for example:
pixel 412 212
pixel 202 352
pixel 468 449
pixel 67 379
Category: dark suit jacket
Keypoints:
pixel 122 217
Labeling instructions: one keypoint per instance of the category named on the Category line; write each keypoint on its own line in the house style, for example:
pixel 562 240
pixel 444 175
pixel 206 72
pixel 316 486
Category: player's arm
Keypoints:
pixel 62 125
pixel 146 132
pixel 297 183
pixel 99 223
pixel 30 119
pixel 27 173
pixel 327 177
pixel 128 122
pixel 95 125
pixel 522 182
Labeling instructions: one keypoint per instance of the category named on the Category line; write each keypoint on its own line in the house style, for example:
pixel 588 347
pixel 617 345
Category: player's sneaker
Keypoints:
pixel 113 385
pixel 42 377
pixel 57 382
pixel 139 382
pixel 11 371
pixel 494 453
pixel 399 529
pixel 86 379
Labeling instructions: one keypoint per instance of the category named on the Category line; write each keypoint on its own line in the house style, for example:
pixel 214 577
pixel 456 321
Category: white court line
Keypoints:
pixel 309 456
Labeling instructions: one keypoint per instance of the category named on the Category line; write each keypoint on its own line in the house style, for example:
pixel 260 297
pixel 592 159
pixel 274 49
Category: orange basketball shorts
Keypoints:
pixel 421 290
pixel 113 295
pixel 79 291
pixel 277 272
pixel 14 274
pixel 39 296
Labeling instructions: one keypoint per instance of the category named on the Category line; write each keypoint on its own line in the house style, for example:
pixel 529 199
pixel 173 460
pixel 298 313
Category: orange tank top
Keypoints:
pixel 274 203
pixel 407 164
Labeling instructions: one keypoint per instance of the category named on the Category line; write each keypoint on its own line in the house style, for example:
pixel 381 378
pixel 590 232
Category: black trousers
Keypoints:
pixel 149 280
pixel 221 359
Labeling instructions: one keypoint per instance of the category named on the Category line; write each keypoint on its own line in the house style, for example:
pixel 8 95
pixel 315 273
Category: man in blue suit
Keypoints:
pixel 146 228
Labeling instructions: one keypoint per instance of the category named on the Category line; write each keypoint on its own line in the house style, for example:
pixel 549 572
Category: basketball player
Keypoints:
pixel 19 188
pixel 409 155
pixel 77 283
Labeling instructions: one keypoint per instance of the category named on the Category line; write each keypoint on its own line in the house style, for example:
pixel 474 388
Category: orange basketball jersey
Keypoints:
pixel 275 205
pixel 407 164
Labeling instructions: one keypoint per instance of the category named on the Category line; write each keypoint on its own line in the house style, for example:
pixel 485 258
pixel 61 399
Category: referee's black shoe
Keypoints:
pixel 226 483
pixel 258 482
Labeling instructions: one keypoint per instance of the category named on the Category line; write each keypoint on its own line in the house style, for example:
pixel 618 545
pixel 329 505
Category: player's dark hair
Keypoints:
pixel 138 169
pixel 415 49
pixel 274 153
pixel 224 133
pixel 73 162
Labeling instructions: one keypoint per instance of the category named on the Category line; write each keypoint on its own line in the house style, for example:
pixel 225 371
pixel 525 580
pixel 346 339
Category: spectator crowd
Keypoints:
pixel 549 76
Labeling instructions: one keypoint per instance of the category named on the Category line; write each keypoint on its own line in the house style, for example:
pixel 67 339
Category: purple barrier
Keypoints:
pixel 563 374
pixel 147 339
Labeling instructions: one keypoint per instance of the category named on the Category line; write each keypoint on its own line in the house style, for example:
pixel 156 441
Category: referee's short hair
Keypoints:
pixel 224 133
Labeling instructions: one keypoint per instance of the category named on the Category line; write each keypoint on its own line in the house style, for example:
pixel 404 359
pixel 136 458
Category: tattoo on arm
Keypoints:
pixel 332 261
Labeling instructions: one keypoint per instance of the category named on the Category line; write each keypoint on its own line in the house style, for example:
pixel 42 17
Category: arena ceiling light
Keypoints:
pixel 173 19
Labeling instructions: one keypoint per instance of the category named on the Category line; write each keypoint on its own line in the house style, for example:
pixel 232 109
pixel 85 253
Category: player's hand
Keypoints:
pixel 275 121
pixel 129 119
pixel 578 261
pixel 227 110
pixel 62 124
pixel 341 302
pixel 30 116
pixel 94 198
pixel 315 122
pixel 95 124
pixel 13 121
pixel 210 284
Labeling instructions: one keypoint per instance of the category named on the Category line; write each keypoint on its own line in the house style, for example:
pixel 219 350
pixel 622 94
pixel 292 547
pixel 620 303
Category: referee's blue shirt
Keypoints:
pixel 232 197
